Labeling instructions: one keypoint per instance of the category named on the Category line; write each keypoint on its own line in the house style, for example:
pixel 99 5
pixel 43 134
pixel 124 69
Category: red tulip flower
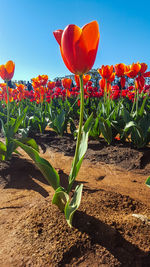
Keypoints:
pixel 66 83
pixel 86 78
pixel 138 71
pixel 107 72
pixel 102 83
pixel 120 69
pixel 7 70
pixel 51 85
pixel 78 46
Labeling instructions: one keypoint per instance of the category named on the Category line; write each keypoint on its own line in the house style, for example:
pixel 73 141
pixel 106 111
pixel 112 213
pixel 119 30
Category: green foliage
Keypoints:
pixel 44 166
pixel 81 152
pixel 148 181
pixel 60 198
pixel 73 205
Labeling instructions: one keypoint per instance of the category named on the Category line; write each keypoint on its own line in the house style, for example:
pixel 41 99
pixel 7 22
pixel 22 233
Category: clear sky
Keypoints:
pixel 26 33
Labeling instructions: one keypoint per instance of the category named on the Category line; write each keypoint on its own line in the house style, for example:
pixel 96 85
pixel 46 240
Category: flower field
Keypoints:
pixel 46 133
pixel 119 111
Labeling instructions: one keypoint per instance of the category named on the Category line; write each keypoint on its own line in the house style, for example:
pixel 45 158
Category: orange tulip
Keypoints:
pixel 120 69
pixel 133 70
pixel 140 82
pixel 143 68
pixel 102 83
pixel 43 79
pixel 137 70
pixel 78 46
pixel 66 83
pixel 51 85
pixel 107 72
pixel 39 81
pixel 86 78
pixel 122 81
pixel 7 70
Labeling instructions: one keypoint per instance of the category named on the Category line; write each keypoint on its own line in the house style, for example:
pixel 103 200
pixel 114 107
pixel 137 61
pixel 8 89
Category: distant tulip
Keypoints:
pixel 107 72
pixel 51 85
pixel 78 46
pixel 102 83
pixel 86 78
pixel 133 70
pixel 66 83
pixel 120 69
pixel 7 70
pixel 122 82
pixel 138 71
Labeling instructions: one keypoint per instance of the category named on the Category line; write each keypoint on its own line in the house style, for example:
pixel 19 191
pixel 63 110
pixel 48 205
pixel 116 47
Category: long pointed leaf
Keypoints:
pixel 82 149
pixel 19 120
pixel 148 181
pixel 3 151
pixel 60 198
pixel 71 207
pixel 44 166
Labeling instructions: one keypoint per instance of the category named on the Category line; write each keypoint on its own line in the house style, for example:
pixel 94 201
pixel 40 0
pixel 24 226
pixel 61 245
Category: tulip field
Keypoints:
pixel 101 209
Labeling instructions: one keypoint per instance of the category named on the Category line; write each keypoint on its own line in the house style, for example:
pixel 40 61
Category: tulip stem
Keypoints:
pixel 105 91
pixel 79 133
pixel 7 103
pixel 135 97
pixel 137 101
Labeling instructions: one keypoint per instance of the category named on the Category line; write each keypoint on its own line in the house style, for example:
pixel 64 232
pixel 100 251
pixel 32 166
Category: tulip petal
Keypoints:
pixel 78 46
pixel 3 72
pixel 65 61
pixel 10 66
pixel 143 67
pixel 146 74
pixel 136 67
pixel 58 36
pixel 70 38
pixel 91 35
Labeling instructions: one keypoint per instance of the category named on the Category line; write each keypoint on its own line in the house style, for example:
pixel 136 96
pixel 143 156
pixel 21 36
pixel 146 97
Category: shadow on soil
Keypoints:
pixel 20 173
pixel 104 235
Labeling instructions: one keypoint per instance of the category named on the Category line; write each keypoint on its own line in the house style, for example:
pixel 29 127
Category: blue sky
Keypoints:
pixel 26 33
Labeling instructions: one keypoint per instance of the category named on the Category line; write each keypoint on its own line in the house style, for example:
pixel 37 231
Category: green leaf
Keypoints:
pixel 95 131
pixel 105 128
pixel 141 111
pixel 44 166
pixel 129 125
pixel 30 142
pixel 59 122
pixel 19 120
pixel 71 207
pixel 60 198
pixel 126 115
pixel 2 147
pixel 3 128
pixel 72 126
pixel 148 181
pixel 3 151
pixel 82 149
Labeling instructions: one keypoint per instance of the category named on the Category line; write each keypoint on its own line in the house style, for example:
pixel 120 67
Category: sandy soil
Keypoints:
pixel 34 232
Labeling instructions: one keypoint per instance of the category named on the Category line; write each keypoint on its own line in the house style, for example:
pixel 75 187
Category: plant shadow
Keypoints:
pixel 108 237
pixel 20 173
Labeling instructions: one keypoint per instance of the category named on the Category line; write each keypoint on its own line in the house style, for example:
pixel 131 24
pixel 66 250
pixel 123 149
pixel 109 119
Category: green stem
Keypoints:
pixel 137 101
pixel 105 91
pixel 135 96
pixel 79 133
pixel 8 106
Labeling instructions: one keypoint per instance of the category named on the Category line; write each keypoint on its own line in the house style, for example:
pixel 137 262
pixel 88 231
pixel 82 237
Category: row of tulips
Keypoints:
pixel 47 90
pixel 109 117
pixel 57 105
